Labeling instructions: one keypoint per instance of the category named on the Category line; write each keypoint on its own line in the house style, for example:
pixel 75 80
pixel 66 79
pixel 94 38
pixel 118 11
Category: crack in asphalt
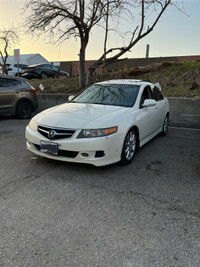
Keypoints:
pixel 18 184
pixel 157 203
pixel 152 201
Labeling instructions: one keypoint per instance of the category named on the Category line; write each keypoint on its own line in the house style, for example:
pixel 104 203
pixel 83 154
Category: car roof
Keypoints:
pixel 11 77
pixel 125 81
pixel 37 65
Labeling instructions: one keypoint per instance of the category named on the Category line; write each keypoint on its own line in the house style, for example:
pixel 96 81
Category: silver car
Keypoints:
pixel 17 97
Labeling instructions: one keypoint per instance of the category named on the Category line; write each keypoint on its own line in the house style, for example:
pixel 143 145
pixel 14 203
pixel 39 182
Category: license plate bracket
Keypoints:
pixel 49 147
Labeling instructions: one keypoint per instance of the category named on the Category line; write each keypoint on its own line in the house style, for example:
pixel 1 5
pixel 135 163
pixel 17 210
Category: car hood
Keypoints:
pixel 81 116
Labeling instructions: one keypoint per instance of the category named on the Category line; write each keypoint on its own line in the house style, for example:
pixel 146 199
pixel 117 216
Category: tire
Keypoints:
pixel 165 126
pixel 23 110
pixel 44 76
pixel 129 147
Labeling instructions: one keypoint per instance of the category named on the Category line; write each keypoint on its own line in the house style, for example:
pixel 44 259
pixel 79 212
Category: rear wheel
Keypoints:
pixel 23 110
pixel 165 126
pixel 44 75
pixel 129 147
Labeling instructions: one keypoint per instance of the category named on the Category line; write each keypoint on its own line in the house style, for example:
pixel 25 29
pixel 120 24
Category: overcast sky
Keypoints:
pixel 176 34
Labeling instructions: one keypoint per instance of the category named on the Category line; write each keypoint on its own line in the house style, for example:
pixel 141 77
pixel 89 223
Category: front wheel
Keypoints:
pixel 129 147
pixel 44 75
pixel 23 110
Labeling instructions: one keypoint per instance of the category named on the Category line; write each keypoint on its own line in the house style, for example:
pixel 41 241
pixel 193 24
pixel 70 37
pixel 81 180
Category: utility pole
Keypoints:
pixel 147 51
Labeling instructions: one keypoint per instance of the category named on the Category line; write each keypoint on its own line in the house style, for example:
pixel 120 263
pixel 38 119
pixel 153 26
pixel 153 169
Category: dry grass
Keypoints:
pixel 178 80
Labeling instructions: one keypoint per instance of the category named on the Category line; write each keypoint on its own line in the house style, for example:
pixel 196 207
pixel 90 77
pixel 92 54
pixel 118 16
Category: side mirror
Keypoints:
pixel 149 103
pixel 70 98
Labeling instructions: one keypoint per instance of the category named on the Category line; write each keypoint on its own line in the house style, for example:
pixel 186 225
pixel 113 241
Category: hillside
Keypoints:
pixel 176 79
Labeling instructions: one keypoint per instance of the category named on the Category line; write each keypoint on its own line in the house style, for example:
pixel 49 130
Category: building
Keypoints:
pixel 28 59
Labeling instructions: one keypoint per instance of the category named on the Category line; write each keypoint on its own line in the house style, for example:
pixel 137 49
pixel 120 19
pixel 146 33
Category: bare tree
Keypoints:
pixel 62 19
pixel 153 8
pixel 8 38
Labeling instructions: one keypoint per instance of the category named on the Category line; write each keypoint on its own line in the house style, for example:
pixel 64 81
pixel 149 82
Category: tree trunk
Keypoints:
pixel 4 67
pixel 5 71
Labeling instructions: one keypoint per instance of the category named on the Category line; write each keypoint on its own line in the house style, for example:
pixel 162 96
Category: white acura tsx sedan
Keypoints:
pixel 104 124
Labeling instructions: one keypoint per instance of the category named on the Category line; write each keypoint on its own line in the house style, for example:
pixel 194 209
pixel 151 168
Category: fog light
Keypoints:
pixel 85 155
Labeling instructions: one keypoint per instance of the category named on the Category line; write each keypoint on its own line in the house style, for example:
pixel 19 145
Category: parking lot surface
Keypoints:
pixel 62 214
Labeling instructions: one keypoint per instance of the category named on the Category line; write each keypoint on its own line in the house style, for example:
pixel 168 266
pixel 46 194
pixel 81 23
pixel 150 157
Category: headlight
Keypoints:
pixel 33 125
pixel 87 133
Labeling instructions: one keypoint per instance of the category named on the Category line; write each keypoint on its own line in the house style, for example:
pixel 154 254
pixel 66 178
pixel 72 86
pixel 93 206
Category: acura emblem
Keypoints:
pixel 51 134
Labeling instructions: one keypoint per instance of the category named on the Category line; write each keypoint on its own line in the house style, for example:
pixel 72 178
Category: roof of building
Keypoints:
pixel 24 58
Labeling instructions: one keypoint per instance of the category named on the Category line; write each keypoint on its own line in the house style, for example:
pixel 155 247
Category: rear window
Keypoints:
pixel 20 66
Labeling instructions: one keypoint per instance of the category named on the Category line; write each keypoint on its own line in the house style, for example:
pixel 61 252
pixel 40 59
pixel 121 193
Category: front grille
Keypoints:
pixel 63 153
pixel 55 133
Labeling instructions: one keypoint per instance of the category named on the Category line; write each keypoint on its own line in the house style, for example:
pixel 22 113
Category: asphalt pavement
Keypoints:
pixel 62 214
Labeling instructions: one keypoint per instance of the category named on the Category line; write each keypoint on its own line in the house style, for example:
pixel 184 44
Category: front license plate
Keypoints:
pixel 49 147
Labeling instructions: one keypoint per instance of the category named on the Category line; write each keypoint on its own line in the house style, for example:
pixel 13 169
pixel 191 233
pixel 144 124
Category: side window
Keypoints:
pixel 14 82
pixel 145 95
pixel 54 68
pixel 47 66
pixel 8 82
pixel 5 83
pixel 157 95
pixel 22 66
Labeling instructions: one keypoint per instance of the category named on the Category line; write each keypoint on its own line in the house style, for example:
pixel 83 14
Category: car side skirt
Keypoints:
pixel 144 141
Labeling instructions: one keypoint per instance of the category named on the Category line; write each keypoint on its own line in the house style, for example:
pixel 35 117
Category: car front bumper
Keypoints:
pixel 96 151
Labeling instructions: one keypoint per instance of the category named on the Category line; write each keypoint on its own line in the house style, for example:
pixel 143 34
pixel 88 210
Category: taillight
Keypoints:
pixel 33 91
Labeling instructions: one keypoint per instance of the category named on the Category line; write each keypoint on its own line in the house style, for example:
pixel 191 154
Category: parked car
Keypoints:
pixel 17 97
pixel 13 68
pixel 42 71
pixel 104 124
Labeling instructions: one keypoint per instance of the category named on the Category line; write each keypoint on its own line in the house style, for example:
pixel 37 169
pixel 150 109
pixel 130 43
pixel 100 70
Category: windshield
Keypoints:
pixel 109 94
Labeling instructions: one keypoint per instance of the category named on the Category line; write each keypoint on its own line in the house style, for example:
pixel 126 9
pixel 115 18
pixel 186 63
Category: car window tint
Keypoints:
pixel 47 67
pixel 8 82
pixel 117 95
pixel 157 95
pixel 22 66
pixel 54 68
pixel 146 95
